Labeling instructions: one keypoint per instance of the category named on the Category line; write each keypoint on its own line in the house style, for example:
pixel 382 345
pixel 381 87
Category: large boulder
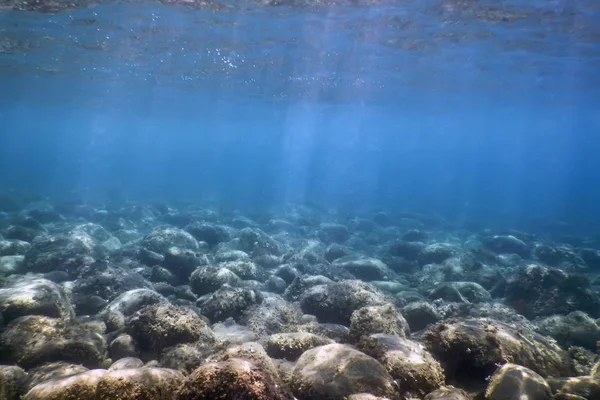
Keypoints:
pixel 138 383
pixel 158 326
pixel 472 349
pixel 233 379
pixel 336 371
pixel 161 238
pixel 365 268
pixel 34 296
pixel 377 319
pixel 535 291
pixel 414 369
pixel 33 340
pixel 513 381
pixel 337 301
pixel 62 252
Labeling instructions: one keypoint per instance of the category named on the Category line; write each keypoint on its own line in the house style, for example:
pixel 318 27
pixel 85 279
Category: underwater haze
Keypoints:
pixel 483 112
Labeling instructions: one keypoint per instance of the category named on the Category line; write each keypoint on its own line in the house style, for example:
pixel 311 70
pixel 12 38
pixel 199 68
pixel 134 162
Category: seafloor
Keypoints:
pixel 156 302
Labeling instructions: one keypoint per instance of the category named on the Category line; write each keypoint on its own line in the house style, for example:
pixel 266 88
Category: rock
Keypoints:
pixel 415 235
pixel 587 387
pixel 448 393
pixel 122 346
pixel 10 264
pixel 158 326
pixel 181 262
pixel 367 269
pixel 557 256
pixel 139 383
pixel 229 380
pixel 574 329
pixel 126 363
pixel 536 291
pixel 337 301
pixel 337 333
pixel 507 244
pixel 208 279
pixel 419 315
pixel 335 371
pixel 514 382
pixel 80 386
pixel 274 284
pixel 407 250
pixel 13 382
pixel 292 345
pixel 246 270
pixel 430 275
pixel 258 243
pixel 461 292
pixel 62 252
pixel 335 251
pixel 29 296
pixel 416 372
pixel 271 316
pixel 333 233
pixel 160 239
pixel 97 232
pixel 45 213
pixel 13 247
pixel 54 370
pixel 377 319
pixel 301 283
pixel 470 349
pixel 591 257
pixel 234 333
pixel 134 300
pixel 33 340
pixel 186 357
pixel 209 233
pixel 231 255
pixel 229 302
pixel 17 232
pixel 436 253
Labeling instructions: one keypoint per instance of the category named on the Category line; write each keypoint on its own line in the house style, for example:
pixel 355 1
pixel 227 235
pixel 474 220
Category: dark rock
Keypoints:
pixel 287 273
pixel 13 382
pixel 181 262
pixel 303 283
pixel 258 243
pixel 535 290
pixel 16 232
pixel 557 256
pixel 13 247
pixel 337 301
pixel 33 340
pixel 229 302
pixel 470 350
pixel 415 235
pixel 63 252
pixel 150 258
pixel 591 257
pixel 333 233
pixel 45 214
pixel 276 284
pixel 335 251
pixel 122 346
pixel 8 204
pixel 436 253
pixel 159 326
pixel 209 233
pixel 574 329
pixel 419 315
pixel 208 279
pixel 407 250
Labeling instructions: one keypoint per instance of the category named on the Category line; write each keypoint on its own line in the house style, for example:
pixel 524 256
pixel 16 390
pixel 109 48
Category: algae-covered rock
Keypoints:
pixel 272 315
pixel 53 370
pixel 207 279
pixel 337 301
pixel 33 296
pixel 460 292
pixel 584 387
pixel 122 346
pixel 365 268
pixel 161 238
pixel 436 253
pixel 513 381
pixel 333 233
pixel 33 340
pixel 448 393
pixel 13 382
pixel 377 319
pixel 126 363
pixel 419 315
pixel 230 380
pixel 229 302
pixel 335 371
pixel 471 349
pixel 416 372
pixel 574 329
pixel 292 345
pixel 76 387
pixel 138 383
pixel 186 357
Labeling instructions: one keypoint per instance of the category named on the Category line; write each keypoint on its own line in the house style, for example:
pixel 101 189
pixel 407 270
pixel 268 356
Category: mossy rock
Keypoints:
pixel 292 345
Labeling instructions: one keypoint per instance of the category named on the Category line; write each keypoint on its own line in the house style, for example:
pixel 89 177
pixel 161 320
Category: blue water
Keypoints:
pixel 482 112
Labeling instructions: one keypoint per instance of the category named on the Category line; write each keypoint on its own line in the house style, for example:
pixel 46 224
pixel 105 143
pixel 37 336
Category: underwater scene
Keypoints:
pixel 299 199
